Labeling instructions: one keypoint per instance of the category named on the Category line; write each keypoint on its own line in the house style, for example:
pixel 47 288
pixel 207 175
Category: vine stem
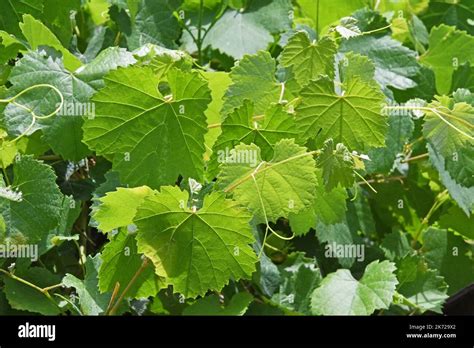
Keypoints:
pixel 439 201
pixel 44 291
pixel 416 158
pixel 129 285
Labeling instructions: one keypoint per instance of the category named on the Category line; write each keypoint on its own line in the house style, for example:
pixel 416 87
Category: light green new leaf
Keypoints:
pixel 446 253
pixel 195 251
pixel 240 126
pixel 270 189
pixel 120 263
pixel 420 285
pixel 337 165
pixel 210 305
pixel 154 138
pixel 309 59
pixel 118 208
pixel 37 34
pixel 38 210
pixel 253 79
pixel 341 294
pixel 23 297
pixel 448 48
pixel 326 12
pixel 91 301
pixel 353 118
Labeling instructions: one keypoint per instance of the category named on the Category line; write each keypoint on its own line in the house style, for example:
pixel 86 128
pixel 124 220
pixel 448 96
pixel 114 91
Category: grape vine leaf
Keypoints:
pixel 337 165
pixel 328 207
pixel 195 250
pixel 10 16
pixel 249 30
pixel 154 138
pixel 240 126
pixel 395 64
pixel 455 219
pixel 448 126
pixel 62 132
pixel 118 208
pixel 299 277
pixel 37 34
pixel 326 12
pixel 456 13
pixel 446 252
pixel 464 196
pixel 210 305
pixel 38 211
pixel 395 245
pixel 120 262
pixel 448 48
pixel 91 301
pixel 400 130
pixel 341 294
pixel 353 118
pixel 309 59
pixel 420 285
pixel 23 297
pixel 155 23
pixel 253 79
pixel 282 185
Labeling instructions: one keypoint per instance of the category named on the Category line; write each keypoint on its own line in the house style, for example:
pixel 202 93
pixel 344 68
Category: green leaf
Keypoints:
pixel 326 12
pixel 455 219
pixel 464 196
pixel 395 64
pixel 218 82
pixel 280 186
pixel 240 126
pixel 120 262
pixel 37 34
pixel 448 48
pixel 328 207
pixel 400 130
pixel 249 30
pixel 154 138
pixel 353 118
pixel 91 301
pixel 195 251
pixel 23 297
pixel 118 208
pixel 337 165
pixel 309 59
pixel 62 132
pixel 9 47
pixel 253 79
pixel 341 294
pixel 456 13
pixel 38 210
pixel 420 285
pixel 210 305
pixel 395 245
pixel 300 276
pixel 155 23
pixel 338 236
pixel 10 16
pixel 446 253
pixel 448 127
